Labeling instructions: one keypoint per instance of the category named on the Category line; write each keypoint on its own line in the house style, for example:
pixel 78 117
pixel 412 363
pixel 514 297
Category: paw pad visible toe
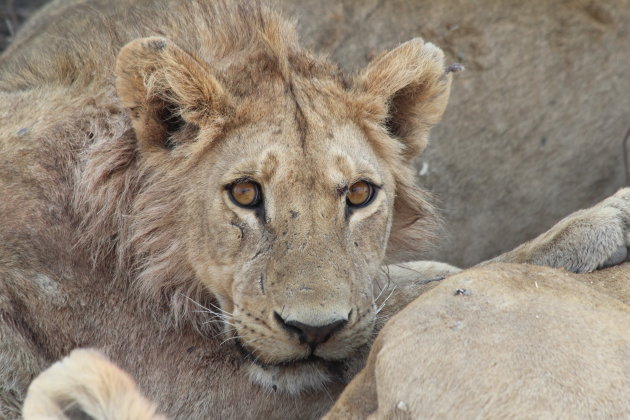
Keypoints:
pixel 616 258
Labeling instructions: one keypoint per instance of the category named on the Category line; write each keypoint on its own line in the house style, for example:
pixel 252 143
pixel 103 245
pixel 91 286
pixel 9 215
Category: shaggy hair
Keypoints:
pixel 125 203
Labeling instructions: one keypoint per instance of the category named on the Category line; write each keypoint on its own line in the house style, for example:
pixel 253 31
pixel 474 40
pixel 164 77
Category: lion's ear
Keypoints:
pixel 167 91
pixel 408 89
pixel 413 85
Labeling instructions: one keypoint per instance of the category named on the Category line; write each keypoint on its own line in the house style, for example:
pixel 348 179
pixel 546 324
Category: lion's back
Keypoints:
pixel 75 42
pixel 513 340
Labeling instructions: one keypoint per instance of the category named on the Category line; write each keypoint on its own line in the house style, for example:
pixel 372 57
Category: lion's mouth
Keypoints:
pixel 306 374
pixel 308 371
pixel 333 366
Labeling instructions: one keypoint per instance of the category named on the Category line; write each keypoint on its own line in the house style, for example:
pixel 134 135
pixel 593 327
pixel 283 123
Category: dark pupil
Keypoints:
pixel 244 193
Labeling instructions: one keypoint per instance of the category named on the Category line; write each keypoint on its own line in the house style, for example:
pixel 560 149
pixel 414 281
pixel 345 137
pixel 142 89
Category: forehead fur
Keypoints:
pixel 254 55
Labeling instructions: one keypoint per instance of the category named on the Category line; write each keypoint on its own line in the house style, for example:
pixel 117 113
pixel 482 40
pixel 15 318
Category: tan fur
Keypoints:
pixel 92 386
pixel 522 342
pixel 125 124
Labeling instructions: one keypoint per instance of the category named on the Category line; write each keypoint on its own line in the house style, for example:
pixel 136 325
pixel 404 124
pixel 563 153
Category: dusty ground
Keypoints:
pixel 535 125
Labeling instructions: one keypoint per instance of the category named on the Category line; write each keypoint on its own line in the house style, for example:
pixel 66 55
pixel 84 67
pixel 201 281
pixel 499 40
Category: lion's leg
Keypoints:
pixel 86 384
pixel 414 271
pixel 584 241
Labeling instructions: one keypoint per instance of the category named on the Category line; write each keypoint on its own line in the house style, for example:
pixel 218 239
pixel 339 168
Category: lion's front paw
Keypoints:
pixel 584 241
pixel 593 238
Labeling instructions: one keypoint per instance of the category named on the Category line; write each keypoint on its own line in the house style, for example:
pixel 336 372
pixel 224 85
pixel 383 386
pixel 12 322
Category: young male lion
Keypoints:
pixel 189 191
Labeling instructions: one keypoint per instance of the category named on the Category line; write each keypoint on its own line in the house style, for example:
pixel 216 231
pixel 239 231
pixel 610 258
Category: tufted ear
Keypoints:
pixel 412 85
pixel 169 93
pixel 408 90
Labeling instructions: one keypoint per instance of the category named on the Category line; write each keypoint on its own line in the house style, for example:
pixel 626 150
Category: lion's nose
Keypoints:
pixel 312 334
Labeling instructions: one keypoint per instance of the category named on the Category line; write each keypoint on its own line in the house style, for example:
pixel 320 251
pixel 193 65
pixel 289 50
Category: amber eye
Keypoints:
pixel 360 194
pixel 245 193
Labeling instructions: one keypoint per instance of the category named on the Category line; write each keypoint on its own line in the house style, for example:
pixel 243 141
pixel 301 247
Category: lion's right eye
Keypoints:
pixel 245 194
pixel 360 194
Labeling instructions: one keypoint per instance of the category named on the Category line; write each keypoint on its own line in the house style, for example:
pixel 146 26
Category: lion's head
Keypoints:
pixel 277 185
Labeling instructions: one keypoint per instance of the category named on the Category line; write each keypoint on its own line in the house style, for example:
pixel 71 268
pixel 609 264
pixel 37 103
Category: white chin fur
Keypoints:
pixel 292 380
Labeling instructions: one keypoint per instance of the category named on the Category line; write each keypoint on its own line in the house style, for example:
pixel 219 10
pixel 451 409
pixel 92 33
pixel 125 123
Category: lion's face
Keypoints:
pixel 291 191
pixel 296 267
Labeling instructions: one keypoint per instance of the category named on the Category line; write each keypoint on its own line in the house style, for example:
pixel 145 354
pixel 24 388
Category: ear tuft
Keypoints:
pixel 172 122
pixel 167 91
pixel 412 86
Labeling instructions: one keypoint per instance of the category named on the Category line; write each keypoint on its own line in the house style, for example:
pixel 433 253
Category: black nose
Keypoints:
pixel 311 334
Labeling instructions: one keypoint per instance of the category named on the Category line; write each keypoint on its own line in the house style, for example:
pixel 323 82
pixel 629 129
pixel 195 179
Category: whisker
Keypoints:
pixel 390 293
pixel 385 270
pixel 386 299
pixel 216 315
pixel 224 332
pixel 207 309
pixel 328 393
pixel 381 321
pixel 236 337
pixel 422 281
pixel 408 268
pixel 379 295
pixel 218 320
pixel 234 326
pixel 220 309
pixel 252 351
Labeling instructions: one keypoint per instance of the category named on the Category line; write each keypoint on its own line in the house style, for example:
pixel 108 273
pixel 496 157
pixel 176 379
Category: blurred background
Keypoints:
pixel 535 126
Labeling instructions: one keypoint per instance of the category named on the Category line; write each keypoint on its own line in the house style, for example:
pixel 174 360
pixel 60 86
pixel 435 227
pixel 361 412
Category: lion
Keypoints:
pixel 210 205
pixel 515 341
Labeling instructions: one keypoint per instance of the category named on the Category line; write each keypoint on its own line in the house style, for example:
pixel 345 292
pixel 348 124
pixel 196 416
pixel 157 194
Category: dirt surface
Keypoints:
pixel 535 125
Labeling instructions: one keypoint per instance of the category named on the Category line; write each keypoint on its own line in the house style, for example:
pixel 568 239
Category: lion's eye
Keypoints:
pixel 360 194
pixel 245 193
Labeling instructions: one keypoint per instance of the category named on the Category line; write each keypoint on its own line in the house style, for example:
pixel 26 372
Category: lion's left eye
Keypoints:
pixel 245 194
pixel 360 194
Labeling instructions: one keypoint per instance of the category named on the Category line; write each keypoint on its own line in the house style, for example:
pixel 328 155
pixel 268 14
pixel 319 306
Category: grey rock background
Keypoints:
pixel 535 125
pixel 12 14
